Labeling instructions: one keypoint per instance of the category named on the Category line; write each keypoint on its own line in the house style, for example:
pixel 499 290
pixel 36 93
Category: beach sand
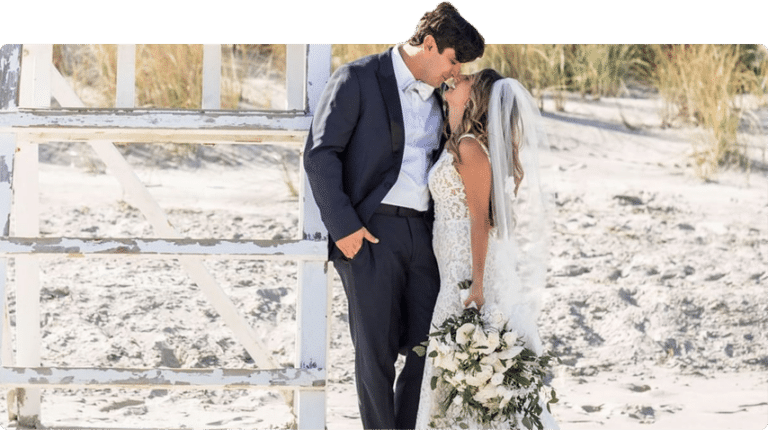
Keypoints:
pixel 657 298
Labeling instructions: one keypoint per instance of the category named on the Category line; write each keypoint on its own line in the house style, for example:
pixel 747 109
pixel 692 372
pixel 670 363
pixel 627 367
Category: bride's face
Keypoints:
pixel 458 95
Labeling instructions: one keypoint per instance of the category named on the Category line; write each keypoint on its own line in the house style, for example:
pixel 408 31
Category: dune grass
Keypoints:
pixel 701 85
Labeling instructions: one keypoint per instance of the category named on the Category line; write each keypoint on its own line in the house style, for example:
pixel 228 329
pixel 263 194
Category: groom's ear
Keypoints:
pixel 430 44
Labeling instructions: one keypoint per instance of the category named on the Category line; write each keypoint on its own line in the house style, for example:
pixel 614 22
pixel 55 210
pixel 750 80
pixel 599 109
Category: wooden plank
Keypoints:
pixel 34 92
pixel 318 73
pixel 170 248
pixel 35 85
pixel 10 68
pixel 202 136
pixel 125 95
pixel 66 96
pixel 7 150
pixel 295 76
pixel 211 77
pixel 62 377
pixel 126 119
pixel 10 77
pixel 313 337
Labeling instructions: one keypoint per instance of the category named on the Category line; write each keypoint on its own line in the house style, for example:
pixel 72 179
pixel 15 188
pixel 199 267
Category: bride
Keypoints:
pixel 490 218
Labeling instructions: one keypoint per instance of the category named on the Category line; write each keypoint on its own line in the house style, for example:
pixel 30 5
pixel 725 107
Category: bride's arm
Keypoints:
pixel 475 172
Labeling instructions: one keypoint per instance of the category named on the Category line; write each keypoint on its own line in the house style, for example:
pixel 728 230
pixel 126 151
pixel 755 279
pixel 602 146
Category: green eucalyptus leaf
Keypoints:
pixel 527 423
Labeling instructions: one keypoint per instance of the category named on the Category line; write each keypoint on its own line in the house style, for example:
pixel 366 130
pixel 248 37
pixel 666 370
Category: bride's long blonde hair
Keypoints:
pixel 475 121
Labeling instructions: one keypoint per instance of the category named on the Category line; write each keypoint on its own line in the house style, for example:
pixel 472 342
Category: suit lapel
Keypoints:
pixel 389 91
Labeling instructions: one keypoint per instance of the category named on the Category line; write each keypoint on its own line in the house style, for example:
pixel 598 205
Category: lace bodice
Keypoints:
pixel 453 251
pixel 448 190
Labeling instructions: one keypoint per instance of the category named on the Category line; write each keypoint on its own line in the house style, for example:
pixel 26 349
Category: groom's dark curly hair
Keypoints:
pixel 450 30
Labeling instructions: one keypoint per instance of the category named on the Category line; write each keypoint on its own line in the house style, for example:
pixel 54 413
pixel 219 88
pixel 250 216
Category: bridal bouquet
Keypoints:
pixel 488 371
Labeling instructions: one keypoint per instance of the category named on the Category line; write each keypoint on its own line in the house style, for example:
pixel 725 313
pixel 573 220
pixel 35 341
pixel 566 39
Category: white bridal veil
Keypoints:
pixel 522 221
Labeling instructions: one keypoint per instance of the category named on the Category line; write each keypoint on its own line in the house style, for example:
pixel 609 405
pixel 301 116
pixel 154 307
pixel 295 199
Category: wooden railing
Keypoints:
pixel 27 83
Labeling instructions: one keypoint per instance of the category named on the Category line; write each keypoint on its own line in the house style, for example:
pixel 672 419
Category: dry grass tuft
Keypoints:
pixel 702 85
pixel 342 54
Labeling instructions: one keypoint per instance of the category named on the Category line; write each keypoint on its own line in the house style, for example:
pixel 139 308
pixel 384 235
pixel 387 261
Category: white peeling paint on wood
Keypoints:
pixel 10 75
pixel 125 93
pixel 61 377
pixel 34 92
pixel 98 127
pixel 126 119
pixel 10 69
pixel 171 248
pixel 35 85
pixel 211 77
pixel 318 73
pixel 140 197
pixel 202 136
pixel 7 150
pixel 312 337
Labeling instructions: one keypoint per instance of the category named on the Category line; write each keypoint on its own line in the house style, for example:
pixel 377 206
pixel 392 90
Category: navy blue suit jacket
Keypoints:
pixel 354 149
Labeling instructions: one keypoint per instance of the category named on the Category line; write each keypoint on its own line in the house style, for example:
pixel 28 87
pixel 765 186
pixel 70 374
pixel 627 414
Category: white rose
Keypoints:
pixel 479 342
pixel 447 362
pixel 493 341
pixel 510 338
pixel 490 359
pixel 510 352
pixel 500 367
pixel 444 348
pixel 464 333
pixel 480 378
pixel 497 319
pixel 485 393
pixel 505 394
pixel 458 379
pixel 497 379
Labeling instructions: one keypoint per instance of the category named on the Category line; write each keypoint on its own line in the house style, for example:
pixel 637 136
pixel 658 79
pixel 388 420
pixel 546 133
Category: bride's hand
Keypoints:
pixel 475 295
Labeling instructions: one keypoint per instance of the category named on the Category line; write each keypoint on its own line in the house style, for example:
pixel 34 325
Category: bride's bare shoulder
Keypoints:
pixel 471 150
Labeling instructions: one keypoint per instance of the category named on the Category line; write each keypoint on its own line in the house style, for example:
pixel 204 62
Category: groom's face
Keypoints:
pixel 441 66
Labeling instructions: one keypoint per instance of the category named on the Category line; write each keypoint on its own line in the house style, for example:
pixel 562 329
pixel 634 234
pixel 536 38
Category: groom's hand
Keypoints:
pixel 350 245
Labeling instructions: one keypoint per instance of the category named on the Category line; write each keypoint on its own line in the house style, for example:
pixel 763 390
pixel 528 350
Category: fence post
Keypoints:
pixel 211 77
pixel 313 297
pixel 34 92
pixel 295 76
pixel 125 96
pixel 10 69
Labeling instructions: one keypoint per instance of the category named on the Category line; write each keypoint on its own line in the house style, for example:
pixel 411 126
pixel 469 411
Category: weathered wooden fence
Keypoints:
pixel 27 83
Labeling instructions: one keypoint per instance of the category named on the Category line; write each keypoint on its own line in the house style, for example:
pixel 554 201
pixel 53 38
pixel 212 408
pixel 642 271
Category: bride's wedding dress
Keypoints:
pixel 515 266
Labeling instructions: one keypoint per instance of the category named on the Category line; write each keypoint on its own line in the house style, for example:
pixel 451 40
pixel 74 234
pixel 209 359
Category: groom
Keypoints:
pixel 375 134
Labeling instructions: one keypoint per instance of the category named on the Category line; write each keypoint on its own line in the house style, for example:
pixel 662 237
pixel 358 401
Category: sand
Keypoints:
pixel 657 298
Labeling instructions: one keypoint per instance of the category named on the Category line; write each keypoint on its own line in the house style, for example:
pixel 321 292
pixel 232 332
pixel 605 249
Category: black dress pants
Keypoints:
pixel 391 289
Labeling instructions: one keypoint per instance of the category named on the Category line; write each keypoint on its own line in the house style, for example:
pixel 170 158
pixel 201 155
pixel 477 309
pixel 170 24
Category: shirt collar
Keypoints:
pixel 403 75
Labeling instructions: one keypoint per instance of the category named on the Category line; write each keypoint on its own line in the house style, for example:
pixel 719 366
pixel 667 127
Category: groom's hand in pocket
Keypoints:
pixel 350 245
